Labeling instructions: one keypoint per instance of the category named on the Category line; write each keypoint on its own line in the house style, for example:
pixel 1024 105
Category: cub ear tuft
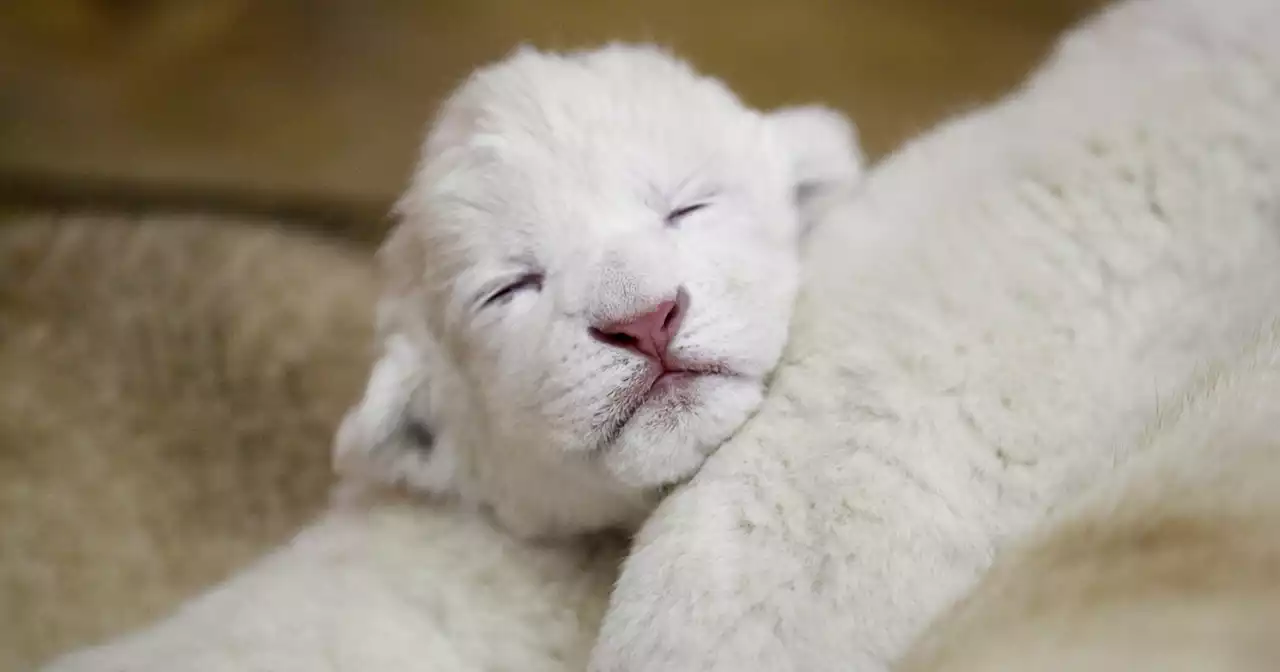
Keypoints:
pixel 385 437
pixel 826 158
pixel 419 436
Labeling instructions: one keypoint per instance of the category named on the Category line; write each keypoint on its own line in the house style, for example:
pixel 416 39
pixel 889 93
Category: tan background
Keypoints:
pixel 318 104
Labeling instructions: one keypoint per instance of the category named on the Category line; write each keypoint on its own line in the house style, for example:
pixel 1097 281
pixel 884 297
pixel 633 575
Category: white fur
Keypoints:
pixel 567 167
pixel 384 584
pixel 1167 563
pixel 1044 275
pixel 1033 311
pixel 570 164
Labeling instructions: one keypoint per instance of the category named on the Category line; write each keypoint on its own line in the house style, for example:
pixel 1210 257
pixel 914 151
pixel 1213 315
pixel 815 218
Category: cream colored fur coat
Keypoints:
pixel 989 330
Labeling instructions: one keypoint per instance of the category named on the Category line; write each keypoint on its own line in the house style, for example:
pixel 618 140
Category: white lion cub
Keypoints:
pixel 592 277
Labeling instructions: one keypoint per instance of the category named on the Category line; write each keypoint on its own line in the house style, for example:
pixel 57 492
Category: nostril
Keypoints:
pixel 615 338
pixel 672 315
pixel 649 332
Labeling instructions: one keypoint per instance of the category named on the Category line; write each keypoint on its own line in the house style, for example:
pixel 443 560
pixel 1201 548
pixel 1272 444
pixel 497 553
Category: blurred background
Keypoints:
pixel 175 352
pixel 316 106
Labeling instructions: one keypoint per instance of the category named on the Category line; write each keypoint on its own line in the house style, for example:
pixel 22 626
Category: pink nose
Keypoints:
pixel 648 333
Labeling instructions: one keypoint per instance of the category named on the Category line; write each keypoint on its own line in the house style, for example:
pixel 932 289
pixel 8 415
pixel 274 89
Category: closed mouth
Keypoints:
pixel 673 374
pixel 660 381
pixel 668 379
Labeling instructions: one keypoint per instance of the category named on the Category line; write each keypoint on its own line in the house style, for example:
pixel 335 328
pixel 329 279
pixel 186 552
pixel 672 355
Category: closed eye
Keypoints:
pixel 680 213
pixel 526 282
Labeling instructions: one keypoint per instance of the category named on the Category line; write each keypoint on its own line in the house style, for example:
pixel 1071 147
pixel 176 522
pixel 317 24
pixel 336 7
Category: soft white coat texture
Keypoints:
pixel 1009 303
pixel 554 195
pixel 384 584
pixel 1170 563
pixel 981 334
pixel 559 194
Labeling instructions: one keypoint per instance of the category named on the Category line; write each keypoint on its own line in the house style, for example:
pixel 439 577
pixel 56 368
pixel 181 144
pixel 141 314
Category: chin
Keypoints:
pixel 682 421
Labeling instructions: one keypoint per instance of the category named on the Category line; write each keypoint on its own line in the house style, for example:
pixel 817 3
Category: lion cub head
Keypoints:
pixel 592 275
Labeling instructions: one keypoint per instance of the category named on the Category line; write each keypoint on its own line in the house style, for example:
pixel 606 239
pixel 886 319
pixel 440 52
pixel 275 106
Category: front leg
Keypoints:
pixel 778 558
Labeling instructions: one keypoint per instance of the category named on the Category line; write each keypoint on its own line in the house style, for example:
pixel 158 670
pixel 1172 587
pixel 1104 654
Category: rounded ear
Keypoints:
pixel 825 157
pixel 388 436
